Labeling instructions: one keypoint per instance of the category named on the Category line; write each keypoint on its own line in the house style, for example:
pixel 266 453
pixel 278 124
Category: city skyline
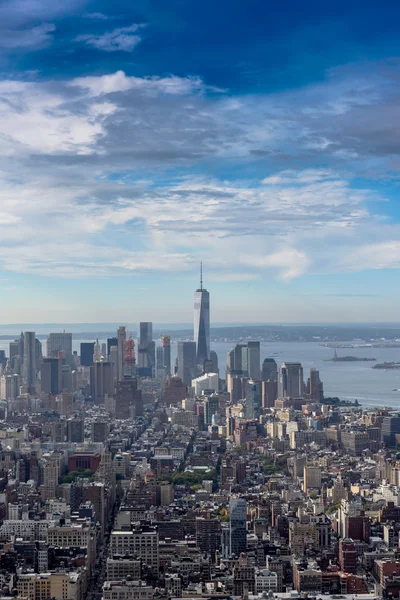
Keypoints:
pixel 138 139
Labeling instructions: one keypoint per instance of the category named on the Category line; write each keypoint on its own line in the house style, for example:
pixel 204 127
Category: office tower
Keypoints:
pixel 29 370
pixel 202 323
pixel 269 370
pixel 113 359
pixel 269 393
pixel 67 403
pixel 234 387
pixel 101 381
pixel 9 387
pixel 208 535
pixel 147 349
pixel 97 351
pixel 75 430
pixel 99 431
pixel 166 349
pixel 51 376
pixel 66 378
pixel 15 350
pixel 237 525
pixel 113 341
pixel 253 399
pixel 145 334
pixel 291 380
pixel 38 354
pixel 390 427
pixel 121 337
pixel 187 361
pixel 87 353
pixel 315 386
pixel 253 359
pixel 312 478
pixel 214 361
pixel 211 406
pixel 57 342
pixel 128 399
pixel 160 371
pixel 58 431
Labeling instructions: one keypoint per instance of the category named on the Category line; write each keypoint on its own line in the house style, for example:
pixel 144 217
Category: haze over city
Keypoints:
pixel 139 138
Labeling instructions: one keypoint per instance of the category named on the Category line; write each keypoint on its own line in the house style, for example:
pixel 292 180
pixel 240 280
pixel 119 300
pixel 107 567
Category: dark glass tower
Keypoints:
pixel 202 323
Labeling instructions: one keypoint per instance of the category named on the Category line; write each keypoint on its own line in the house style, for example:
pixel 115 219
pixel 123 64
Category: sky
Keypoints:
pixel 140 138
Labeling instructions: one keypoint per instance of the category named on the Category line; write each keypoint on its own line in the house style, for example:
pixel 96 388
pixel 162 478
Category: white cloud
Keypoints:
pixel 123 39
pixel 119 82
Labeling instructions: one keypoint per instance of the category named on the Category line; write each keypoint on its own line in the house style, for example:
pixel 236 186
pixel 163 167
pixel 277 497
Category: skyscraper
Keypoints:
pixel 187 361
pixel 51 376
pixel 291 380
pixel 101 381
pixel 315 386
pixel 253 359
pixel 147 348
pixel 269 370
pixel 237 526
pixel 57 342
pixel 87 353
pixel 29 374
pixel 113 341
pixel 166 353
pixel 253 399
pixel 121 336
pixel 202 323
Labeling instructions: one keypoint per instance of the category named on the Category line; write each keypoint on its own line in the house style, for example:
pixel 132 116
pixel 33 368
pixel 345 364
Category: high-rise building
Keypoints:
pixel 208 535
pixel 269 390
pixel 121 336
pixel 348 555
pixel 315 386
pixel 101 381
pixel 253 399
pixel 237 525
pixel 146 351
pixel 269 370
pixel 390 427
pixel 99 431
pixel 312 478
pixel 187 361
pixel 113 359
pixel 113 341
pixel 253 359
pixel 9 387
pixel 146 334
pixel 51 376
pixel 166 353
pixel 58 342
pixel 128 399
pixel 291 380
pixel 202 323
pixel 87 353
pixel 75 430
pixel 29 371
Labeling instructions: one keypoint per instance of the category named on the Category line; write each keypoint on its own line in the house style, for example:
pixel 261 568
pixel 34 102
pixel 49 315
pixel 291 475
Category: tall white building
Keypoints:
pixel 10 387
pixel 202 323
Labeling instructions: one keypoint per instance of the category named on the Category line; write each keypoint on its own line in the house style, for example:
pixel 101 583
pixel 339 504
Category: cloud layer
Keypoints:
pixel 109 174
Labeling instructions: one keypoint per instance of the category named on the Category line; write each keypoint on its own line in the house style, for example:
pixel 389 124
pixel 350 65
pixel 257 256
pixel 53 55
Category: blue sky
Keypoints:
pixel 138 138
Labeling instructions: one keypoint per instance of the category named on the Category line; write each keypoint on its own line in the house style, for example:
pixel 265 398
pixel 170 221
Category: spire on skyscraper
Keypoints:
pixel 201 276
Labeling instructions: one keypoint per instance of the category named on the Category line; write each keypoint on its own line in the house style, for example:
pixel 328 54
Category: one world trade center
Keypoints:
pixel 202 322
